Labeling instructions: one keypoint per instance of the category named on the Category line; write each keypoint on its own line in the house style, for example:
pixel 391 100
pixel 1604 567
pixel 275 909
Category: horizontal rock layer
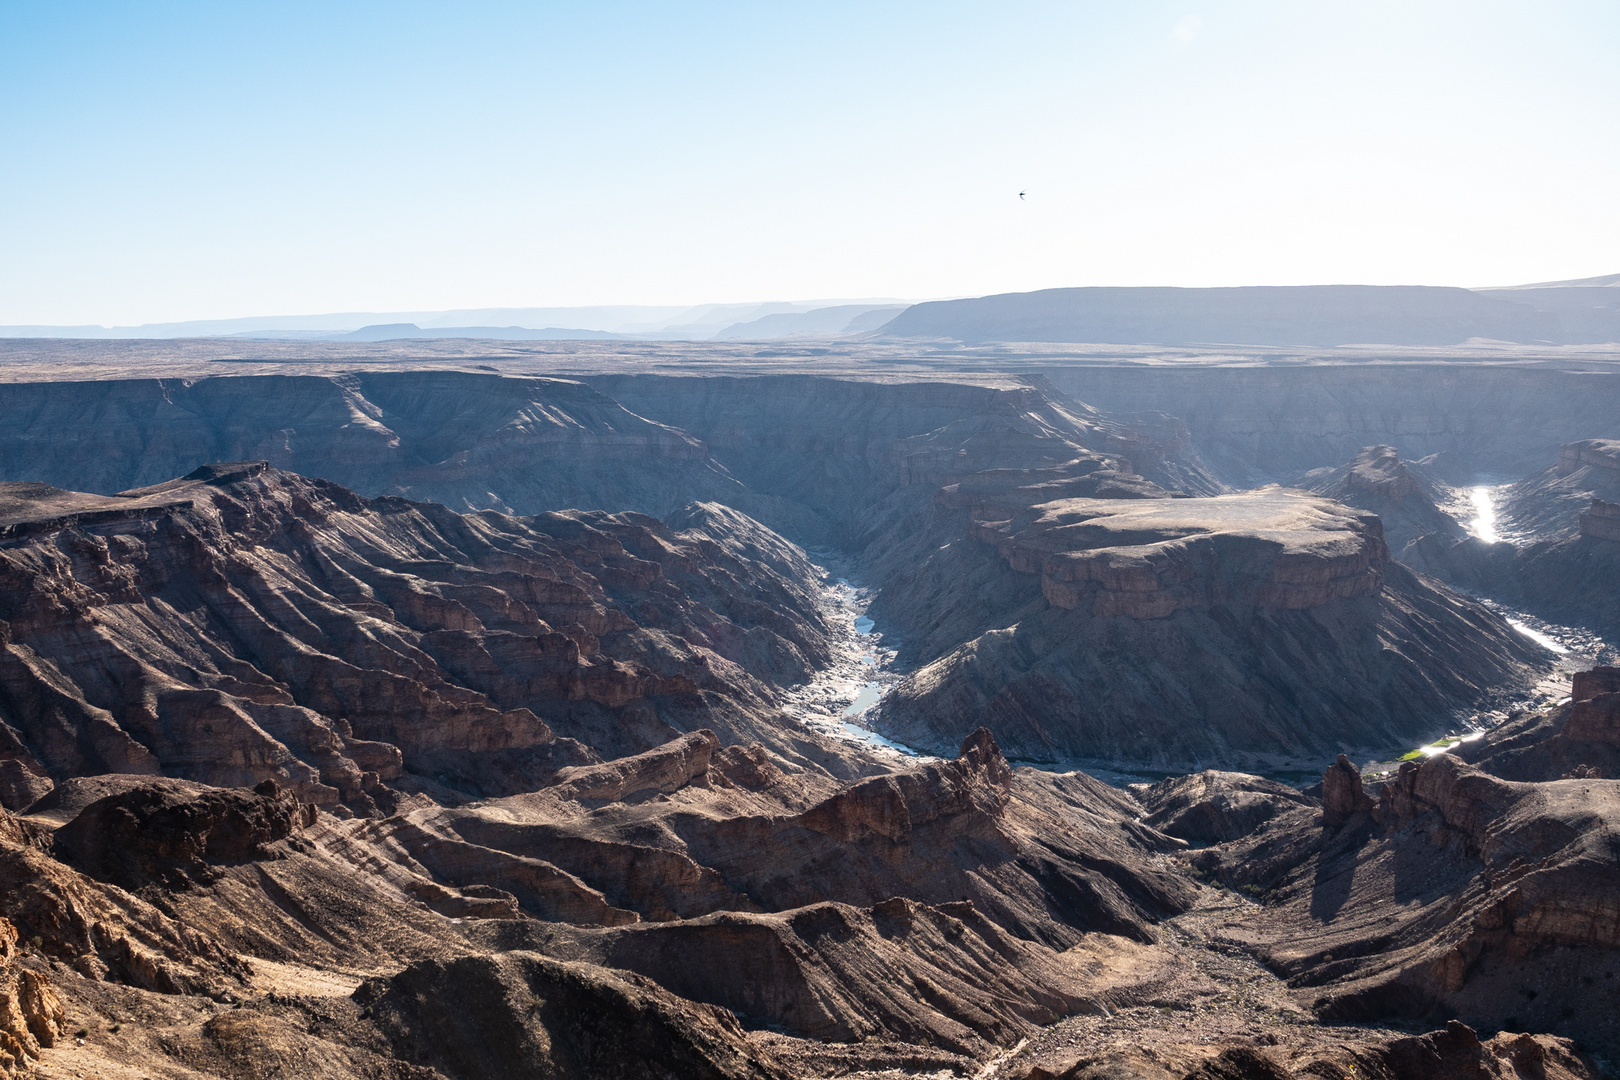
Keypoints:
pixel 247 624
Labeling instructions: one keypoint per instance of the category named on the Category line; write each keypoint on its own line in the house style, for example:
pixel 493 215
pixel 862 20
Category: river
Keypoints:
pixel 838 701
pixel 1570 648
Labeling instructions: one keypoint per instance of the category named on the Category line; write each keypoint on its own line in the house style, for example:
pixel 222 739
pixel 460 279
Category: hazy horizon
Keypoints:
pixel 194 162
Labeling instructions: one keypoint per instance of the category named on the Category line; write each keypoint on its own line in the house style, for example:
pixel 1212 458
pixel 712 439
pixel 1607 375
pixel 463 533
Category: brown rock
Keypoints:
pixel 159 832
pixel 522 1014
pixel 668 768
pixel 1342 794
pixel 347 638
pixel 31 1014
pixel 1598 680
pixel 1240 1063
pixel 20 786
pixel 1595 719
pixel 1212 807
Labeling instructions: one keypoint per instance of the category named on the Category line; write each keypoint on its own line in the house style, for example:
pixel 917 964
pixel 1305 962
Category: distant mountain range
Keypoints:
pixel 1577 312
pixel 1583 312
pixel 777 319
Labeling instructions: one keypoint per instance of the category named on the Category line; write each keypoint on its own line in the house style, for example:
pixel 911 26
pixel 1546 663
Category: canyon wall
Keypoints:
pixel 1266 423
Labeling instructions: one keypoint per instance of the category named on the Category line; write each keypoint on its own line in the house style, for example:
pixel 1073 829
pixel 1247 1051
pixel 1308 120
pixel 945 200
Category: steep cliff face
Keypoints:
pixel 1403 497
pixel 1551 504
pixel 1255 423
pixel 825 460
pixel 861 452
pixel 1568 569
pixel 468 441
pixel 1252 627
pixel 247 624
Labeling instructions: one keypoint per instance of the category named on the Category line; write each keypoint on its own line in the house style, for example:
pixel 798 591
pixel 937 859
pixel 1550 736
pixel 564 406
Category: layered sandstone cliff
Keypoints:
pixel 1550 504
pixel 1250 627
pixel 246 624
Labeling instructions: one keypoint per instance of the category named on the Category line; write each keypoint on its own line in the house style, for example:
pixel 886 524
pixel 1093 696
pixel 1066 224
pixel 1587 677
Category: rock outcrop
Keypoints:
pixel 1235 629
pixel 1594 713
pixel 1378 481
pixel 1455 891
pixel 1579 739
pixel 1212 807
pixel 522 1014
pixel 1601 521
pixel 246 624
pixel 1554 503
pixel 163 832
pixel 1343 796
pixel 31 1014
pixel 1045 858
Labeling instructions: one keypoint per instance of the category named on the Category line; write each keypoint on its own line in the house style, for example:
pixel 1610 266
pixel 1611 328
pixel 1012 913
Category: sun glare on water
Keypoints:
pixel 1484 523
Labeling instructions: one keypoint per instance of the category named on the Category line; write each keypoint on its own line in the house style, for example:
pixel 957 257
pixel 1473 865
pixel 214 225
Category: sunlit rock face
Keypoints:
pixel 1231 630
pixel 1149 558
pixel 1404 496
pixel 245 624
pixel 1554 503
pixel 1601 521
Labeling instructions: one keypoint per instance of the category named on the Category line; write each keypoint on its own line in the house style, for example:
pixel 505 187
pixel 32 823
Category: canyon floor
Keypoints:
pixel 459 710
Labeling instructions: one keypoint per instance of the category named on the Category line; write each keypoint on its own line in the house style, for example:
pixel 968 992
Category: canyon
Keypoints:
pixel 441 710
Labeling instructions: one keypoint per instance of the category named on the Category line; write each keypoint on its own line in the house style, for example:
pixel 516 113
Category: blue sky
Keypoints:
pixel 170 160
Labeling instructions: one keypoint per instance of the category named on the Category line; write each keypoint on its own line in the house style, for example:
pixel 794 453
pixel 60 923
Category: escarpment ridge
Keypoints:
pixel 246 624
pixel 1250 627
pixel 331 777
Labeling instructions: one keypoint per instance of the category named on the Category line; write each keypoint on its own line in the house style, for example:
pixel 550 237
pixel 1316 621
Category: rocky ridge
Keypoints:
pixel 1243 614
pixel 1446 890
pixel 619 872
pixel 1401 494
pixel 246 624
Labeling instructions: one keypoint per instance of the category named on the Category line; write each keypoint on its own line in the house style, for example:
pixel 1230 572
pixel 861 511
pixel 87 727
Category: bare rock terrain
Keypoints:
pixel 1181 632
pixel 1403 496
pixel 1562 558
pixel 246 624
pixel 320 778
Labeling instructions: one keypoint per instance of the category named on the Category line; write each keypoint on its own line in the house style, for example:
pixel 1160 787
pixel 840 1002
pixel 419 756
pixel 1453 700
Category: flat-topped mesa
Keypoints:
pixel 1594 453
pixel 1602 521
pixel 1146 559
pixel 27 509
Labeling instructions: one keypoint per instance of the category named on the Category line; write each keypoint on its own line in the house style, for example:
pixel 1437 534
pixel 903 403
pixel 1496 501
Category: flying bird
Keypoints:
pixel 1020 194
